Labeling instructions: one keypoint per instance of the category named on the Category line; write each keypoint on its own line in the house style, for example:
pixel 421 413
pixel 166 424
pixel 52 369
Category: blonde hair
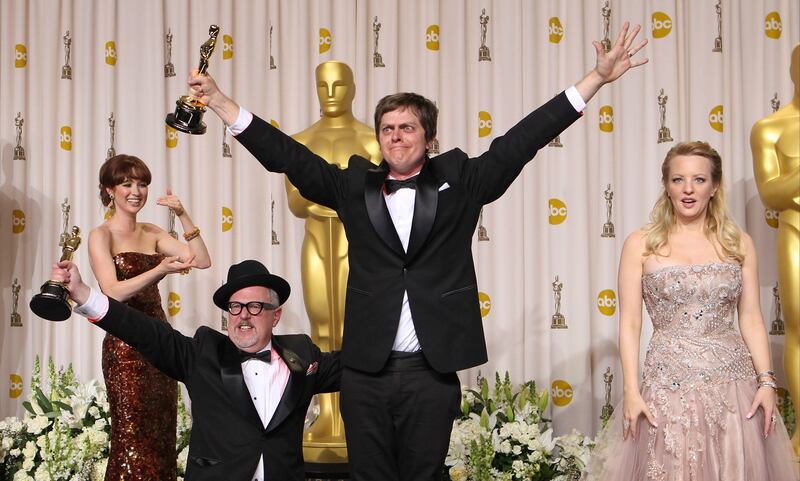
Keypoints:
pixel 719 224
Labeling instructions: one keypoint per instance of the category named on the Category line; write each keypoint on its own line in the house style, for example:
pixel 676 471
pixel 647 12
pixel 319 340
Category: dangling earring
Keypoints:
pixel 111 206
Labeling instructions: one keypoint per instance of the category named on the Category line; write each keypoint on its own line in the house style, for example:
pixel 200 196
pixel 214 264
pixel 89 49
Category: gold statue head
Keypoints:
pixel 335 88
pixel 794 69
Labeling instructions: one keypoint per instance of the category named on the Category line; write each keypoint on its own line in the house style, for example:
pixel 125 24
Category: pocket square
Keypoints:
pixel 444 186
pixel 312 368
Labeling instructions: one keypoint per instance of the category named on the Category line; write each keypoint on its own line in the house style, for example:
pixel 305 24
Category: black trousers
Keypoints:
pixel 398 421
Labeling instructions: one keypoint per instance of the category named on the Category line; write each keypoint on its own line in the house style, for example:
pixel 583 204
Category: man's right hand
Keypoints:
pixel 67 273
pixel 204 88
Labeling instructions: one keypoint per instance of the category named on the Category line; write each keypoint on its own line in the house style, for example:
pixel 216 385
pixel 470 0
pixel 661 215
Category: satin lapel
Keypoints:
pixel 377 211
pixel 425 203
pixel 235 387
pixel 294 387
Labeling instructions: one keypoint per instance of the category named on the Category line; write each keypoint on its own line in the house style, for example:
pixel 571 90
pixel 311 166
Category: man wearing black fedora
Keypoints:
pixel 250 390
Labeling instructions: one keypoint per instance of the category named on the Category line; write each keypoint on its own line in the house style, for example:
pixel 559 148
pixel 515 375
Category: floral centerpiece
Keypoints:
pixel 503 435
pixel 65 432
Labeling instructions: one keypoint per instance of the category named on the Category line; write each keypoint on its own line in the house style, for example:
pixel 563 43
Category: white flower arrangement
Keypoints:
pixel 504 436
pixel 65 432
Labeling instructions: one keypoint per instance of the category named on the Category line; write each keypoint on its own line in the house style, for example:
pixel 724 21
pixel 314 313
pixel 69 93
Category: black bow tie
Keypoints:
pixel 261 356
pixel 393 185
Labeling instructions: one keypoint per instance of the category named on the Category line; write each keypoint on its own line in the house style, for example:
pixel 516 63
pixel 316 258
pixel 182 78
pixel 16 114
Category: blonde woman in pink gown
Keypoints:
pixel 706 406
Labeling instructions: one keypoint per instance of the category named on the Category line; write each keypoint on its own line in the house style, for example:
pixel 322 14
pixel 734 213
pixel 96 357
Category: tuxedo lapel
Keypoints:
pixel 233 380
pixel 294 387
pixel 377 211
pixel 425 204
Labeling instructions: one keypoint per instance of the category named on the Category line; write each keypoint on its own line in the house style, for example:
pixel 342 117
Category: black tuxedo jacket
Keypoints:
pixel 227 434
pixel 437 271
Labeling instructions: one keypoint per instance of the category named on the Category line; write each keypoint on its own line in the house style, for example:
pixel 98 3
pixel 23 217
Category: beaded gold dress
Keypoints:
pixel 698 382
pixel 143 401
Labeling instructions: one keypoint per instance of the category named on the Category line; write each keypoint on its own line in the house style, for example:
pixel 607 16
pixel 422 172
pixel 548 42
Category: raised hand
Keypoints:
pixel 173 202
pixel 612 64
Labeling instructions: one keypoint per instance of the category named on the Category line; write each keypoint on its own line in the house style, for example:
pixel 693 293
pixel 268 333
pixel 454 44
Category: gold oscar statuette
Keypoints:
pixel 663 132
pixel 66 70
pixel 272 65
pixel 324 266
pixel 608 409
pixel 778 328
pixel 775 144
pixel 377 58
pixel 52 302
pixel 226 148
pixel 483 51
pixel 188 116
pixel 718 40
pixel 558 320
pixel 112 134
pixel 169 69
pixel 19 151
pixel 606 13
pixel 16 319
pixel 608 227
pixel 556 142
pixel 483 234
pixel 275 240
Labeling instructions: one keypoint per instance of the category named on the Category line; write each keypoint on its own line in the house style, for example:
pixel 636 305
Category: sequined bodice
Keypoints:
pixel 694 342
pixel 131 264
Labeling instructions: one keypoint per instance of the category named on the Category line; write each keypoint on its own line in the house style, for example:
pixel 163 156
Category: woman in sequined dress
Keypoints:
pixel 706 407
pixel 128 259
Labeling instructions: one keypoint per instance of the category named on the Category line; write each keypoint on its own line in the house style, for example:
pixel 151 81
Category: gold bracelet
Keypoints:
pixel 191 234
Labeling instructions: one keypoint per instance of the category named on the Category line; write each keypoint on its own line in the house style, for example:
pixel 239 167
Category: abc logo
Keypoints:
pixel 111 53
pixel 485 303
pixel 227 219
pixel 275 124
pixel 773 25
pixel 662 24
pixel 65 137
pixel 14 386
pixel 20 55
pixel 607 302
pixel 484 123
pixel 557 210
pixel 561 392
pixel 607 118
pixel 771 216
pixel 432 37
pixel 17 221
pixel 715 118
pixel 555 30
pixel 227 47
pixel 325 40
pixel 172 137
pixel 173 303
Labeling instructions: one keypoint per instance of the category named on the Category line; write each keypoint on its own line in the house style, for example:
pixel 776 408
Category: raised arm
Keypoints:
pixel 611 65
pixel 102 262
pixel 630 331
pixel 751 325
pixel 194 247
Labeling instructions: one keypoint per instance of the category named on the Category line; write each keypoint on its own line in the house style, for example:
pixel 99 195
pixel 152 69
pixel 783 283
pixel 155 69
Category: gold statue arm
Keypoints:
pixel 778 190
pixel 302 207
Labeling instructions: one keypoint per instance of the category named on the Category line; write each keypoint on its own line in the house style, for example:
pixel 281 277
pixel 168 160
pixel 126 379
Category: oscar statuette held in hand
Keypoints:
pixel 52 302
pixel 188 115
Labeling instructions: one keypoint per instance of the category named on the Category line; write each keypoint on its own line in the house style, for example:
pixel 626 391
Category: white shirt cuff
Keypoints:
pixel 574 98
pixel 243 121
pixel 95 308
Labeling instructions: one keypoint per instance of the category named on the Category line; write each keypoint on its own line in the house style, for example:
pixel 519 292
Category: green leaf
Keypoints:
pixel 484 419
pixel 510 414
pixel 28 407
pixel 543 399
pixel 484 389
pixel 42 400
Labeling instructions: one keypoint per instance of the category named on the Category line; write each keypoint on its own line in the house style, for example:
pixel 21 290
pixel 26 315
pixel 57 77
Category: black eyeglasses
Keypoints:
pixel 253 307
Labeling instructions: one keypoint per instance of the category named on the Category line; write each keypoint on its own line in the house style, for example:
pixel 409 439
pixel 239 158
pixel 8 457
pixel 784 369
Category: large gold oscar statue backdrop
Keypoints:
pixel 323 265
pixel 775 141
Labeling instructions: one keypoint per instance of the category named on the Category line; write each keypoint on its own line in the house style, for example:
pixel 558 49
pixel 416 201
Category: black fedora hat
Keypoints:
pixel 250 273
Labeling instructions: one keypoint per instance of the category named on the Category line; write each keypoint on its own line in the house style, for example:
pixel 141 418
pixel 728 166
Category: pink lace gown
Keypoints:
pixel 698 382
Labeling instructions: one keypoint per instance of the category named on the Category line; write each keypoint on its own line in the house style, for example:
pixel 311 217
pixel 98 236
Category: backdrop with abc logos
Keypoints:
pixel 548 224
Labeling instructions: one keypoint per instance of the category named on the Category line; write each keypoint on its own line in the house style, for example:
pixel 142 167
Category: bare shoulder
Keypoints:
pixel 636 241
pixel 746 243
pixel 100 233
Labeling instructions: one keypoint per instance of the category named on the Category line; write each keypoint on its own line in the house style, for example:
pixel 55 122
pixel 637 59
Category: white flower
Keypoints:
pixel 99 470
pixel 94 412
pixel 182 458
pixel 458 473
pixel 100 424
pixel 36 424
pixel 29 451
